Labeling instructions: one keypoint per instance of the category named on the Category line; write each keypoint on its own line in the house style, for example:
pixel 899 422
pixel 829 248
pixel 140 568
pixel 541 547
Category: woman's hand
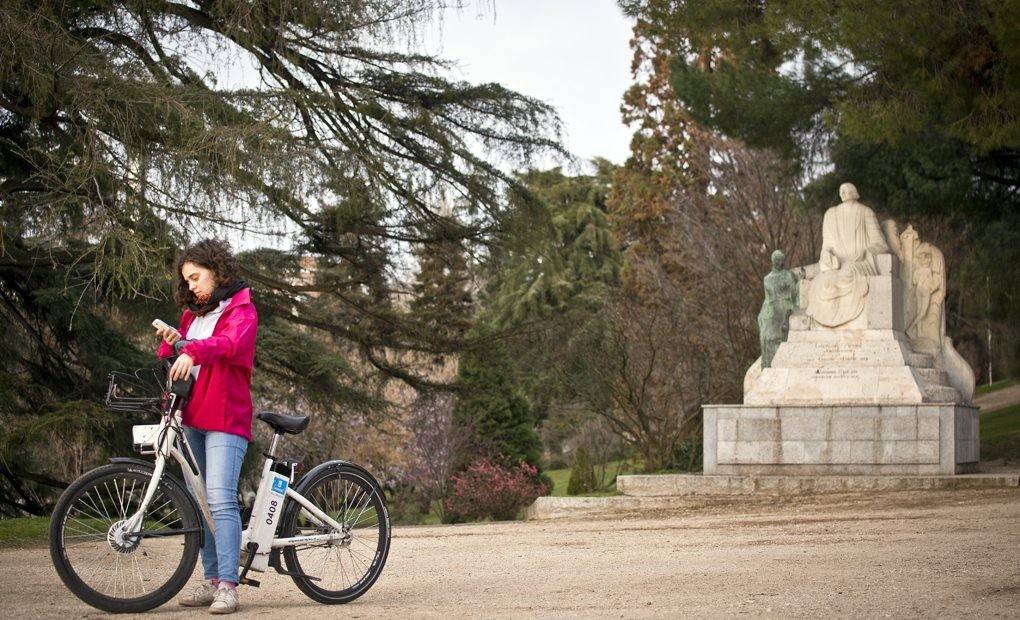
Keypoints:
pixel 182 367
pixel 169 335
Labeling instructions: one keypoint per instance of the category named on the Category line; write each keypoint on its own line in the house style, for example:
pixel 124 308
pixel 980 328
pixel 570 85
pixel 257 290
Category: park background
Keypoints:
pixel 466 299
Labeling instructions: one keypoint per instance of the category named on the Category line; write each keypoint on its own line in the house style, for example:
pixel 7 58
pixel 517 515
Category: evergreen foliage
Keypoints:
pixel 498 418
pixel 550 269
pixel 916 101
pixel 118 145
pixel 441 298
pixel 561 254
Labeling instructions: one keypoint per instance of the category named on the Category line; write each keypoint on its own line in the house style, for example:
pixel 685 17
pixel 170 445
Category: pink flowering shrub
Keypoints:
pixel 488 489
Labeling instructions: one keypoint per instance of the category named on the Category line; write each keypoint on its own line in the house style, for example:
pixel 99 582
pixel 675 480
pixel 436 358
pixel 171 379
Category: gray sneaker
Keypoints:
pixel 225 601
pixel 201 596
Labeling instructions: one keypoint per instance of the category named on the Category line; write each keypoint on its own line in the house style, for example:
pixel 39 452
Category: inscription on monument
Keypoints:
pixel 835 373
pixel 840 352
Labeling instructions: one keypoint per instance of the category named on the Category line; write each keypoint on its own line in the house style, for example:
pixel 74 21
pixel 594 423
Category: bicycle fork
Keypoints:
pixel 192 475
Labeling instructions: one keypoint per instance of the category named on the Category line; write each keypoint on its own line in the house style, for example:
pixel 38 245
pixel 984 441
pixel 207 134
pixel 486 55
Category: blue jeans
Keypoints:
pixel 219 457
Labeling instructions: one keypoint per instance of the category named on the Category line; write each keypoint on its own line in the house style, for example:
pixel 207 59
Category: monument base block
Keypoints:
pixel 921 439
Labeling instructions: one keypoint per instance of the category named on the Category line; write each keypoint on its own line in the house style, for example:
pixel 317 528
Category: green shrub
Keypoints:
pixel 582 474
pixel 687 455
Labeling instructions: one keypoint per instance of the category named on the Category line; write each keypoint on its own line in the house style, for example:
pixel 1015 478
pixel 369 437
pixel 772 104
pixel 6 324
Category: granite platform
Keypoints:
pixel 922 439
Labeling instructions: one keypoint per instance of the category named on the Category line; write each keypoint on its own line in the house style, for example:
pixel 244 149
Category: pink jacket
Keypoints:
pixel 221 398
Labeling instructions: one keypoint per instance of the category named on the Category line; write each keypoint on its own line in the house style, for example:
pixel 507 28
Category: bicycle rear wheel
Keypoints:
pixel 348 567
pixel 114 570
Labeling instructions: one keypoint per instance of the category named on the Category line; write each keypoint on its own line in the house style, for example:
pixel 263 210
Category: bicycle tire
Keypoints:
pixel 88 523
pixel 359 484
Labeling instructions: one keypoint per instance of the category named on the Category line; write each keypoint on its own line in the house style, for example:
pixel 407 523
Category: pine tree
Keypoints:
pixel 666 161
pixel 499 419
pixel 441 299
pixel 561 254
pixel 915 101
pixel 582 473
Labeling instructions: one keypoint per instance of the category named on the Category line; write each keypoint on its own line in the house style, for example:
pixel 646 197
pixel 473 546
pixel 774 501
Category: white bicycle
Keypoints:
pixel 125 537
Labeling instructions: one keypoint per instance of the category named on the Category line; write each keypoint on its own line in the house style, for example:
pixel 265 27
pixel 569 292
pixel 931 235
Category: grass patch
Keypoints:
pixel 561 478
pixel 1000 434
pixel 1000 423
pixel 988 388
pixel 24 531
pixel 416 518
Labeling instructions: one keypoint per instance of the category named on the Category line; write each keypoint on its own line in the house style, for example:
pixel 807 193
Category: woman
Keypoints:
pixel 220 322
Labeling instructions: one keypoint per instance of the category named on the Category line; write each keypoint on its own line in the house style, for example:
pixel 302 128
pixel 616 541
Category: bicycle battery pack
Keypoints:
pixel 144 437
pixel 265 516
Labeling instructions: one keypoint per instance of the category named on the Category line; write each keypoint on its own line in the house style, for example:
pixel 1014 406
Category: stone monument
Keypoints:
pixel 867 381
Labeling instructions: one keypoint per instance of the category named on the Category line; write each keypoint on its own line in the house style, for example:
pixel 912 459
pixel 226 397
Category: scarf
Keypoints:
pixel 222 292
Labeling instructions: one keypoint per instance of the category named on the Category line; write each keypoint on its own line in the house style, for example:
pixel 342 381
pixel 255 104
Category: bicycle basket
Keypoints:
pixel 133 392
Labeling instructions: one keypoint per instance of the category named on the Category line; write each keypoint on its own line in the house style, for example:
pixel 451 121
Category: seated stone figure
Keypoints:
pixel 851 239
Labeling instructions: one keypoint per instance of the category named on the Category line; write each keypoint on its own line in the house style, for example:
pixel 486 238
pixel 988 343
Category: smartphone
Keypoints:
pixel 162 324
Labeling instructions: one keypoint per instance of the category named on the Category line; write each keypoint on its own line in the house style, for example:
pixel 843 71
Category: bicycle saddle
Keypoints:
pixel 281 423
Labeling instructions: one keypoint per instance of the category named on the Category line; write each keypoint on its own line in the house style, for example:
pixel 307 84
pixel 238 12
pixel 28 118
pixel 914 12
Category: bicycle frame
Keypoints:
pixel 261 530
pixel 274 490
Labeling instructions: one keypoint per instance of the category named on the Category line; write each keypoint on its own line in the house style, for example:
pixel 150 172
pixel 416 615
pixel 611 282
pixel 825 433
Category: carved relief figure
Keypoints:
pixel 927 282
pixel 851 238
pixel 923 271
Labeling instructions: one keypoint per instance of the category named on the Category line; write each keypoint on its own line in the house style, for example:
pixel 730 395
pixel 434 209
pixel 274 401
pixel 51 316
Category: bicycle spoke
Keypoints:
pixel 368 503
pixel 325 556
pixel 110 562
pixel 120 497
pixel 109 494
pixel 342 565
pixel 92 504
pixel 86 525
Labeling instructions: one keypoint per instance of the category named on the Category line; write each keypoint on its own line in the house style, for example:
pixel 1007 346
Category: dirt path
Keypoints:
pixel 998 399
pixel 903 554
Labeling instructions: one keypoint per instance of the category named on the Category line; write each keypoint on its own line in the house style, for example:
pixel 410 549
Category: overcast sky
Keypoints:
pixel 573 54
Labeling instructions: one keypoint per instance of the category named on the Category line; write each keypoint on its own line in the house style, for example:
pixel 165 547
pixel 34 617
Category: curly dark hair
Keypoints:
pixel 213 254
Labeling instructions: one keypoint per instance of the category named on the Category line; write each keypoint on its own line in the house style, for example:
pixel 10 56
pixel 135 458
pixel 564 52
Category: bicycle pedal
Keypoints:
pixel 250 582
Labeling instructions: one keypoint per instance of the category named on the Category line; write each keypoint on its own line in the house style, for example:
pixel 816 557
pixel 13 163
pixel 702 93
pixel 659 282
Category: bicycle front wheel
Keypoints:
pixel 106 565
pixel 345 568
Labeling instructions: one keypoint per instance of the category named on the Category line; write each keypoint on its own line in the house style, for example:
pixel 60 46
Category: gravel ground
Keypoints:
pixel 895 554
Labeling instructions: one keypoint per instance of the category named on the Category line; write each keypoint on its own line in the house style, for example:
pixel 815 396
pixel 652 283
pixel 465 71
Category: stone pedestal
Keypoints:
pixel 920 439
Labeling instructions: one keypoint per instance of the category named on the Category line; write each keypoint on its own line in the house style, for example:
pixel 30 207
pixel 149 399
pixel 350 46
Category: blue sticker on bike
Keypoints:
pixel 280 486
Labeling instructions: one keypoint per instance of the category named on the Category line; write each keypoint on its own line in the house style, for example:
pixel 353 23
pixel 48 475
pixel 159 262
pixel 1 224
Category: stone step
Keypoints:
pixel 941 394
pixel 586 507
pixel 676 491
pixel 932 376
pixel 920 360
pixel 694 485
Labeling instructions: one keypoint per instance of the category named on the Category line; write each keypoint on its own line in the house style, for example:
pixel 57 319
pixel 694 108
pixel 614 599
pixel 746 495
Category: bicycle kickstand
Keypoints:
pixel 243 577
